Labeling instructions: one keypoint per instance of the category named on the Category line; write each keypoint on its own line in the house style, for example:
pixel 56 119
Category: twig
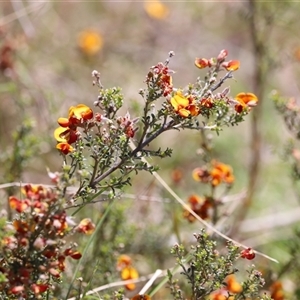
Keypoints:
pixel 222 80
pixel 22 12
pixel 25 22
pixel 185 206
pixel 122 283
pixel 150 282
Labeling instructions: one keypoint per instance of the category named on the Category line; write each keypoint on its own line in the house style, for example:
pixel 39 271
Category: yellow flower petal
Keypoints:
pixel 181 100
pixel 57 134
pixel 184 112
pixel 129 273
pixel 63 122
pixel 174 104
pixel 246 98
pixel 65 148
pixel 232 65
pixel 80 111
pixel 232 285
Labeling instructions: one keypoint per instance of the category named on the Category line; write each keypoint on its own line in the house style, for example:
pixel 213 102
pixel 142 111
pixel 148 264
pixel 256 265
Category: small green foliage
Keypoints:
pixel 206 270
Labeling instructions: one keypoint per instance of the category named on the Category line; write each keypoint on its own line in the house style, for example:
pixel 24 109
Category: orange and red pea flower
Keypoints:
pixel 245 100
pixel 67 133
pixel 201 63
pixel 86 226
pixel 65 148
pixel 233 285
pixel 124 265
pixel 90 42
pixel 129 273
pixel 18 205
pixel 184 106
pixel 39 288
pixel 200 206
pixel 218 174
pixel 80 112
pixel 277 291
pixel 231 65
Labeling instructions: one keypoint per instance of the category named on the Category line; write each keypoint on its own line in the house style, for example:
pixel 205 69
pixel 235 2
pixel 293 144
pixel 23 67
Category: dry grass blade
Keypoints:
pixel 152 277
pixel 22 12
pixel 186 207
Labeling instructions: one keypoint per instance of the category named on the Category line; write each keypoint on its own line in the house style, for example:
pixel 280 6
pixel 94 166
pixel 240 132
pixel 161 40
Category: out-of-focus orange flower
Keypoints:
pixel 35 191
pixel 184 106
pixel 86 226
pixel 156 9
pixel 129 273
pixel 217 174
pixel 123 261
pixel 218 296
pixel 297 54
pixel 18 205
pixel 90 41
pixel 221 173
pixel 233 285
pixel 22 227
pixel 124 265
pixel 73 253
pixel 201 174
pixel 201 63
pixel 245 100
pixel 39 288
pixel 64 148
pixel 200 206
pixel 176 175
pixel 231 65
pixel 277 291
pixel 207 102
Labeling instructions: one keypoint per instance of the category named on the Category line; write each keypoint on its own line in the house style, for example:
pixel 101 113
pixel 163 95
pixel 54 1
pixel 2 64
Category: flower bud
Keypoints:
pixel 222 55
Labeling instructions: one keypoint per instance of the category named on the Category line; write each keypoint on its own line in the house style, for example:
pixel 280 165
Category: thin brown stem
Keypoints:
pixel 260 72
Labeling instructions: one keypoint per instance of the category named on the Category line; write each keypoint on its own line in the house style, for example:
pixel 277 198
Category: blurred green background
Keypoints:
pixel 49 49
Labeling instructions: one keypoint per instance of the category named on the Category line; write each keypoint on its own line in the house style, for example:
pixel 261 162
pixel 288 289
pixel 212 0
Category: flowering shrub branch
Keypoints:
pixel 211 273
pixel 105 136
pixel 99 157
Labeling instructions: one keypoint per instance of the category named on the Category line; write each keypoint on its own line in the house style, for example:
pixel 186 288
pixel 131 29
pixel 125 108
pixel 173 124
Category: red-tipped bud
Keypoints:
pixel 222 55
pixel 248 253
